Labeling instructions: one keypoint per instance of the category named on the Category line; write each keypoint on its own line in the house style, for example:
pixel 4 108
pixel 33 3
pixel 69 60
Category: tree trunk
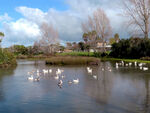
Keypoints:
pixel 146 29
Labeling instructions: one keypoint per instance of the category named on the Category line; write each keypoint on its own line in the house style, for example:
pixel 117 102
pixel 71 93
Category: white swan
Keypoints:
pixel 122 62
pixel 110 70
pixel 135 63
pixel 130 64
pixel 56 77
pixel 63 76
pixel 127 64
pixel 37 79
pixel 76 81
pixel 37 71
pixel 38 74
pixel 89 70
pixel 60 83
pixel 45 71
pixel 69 82
pixel 145 68
pixel 140 65
pixel 141 68
pixel 50 70
pixel 30 78
pixel 94 76
pixel 58 71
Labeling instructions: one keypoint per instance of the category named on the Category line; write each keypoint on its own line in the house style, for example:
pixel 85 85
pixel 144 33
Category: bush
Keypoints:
pixel 104 54
pixel 7 57
pixel 97 54
pixel 131 48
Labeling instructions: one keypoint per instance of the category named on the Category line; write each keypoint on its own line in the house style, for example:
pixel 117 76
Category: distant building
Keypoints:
pixel 67 50
pixel 100 46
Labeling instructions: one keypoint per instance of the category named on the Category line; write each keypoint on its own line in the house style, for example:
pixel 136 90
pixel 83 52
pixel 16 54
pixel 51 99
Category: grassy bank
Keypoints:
pixel 69 60
pixel 126 60
pixel 7 59
pixel 91 54
pixel 34 57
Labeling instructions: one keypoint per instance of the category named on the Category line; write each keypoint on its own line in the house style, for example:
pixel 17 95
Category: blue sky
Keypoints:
pixel 20 19
pixel 8 6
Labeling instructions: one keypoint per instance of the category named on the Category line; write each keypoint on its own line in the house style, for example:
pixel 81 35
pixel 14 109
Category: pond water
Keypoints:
pixel 122 90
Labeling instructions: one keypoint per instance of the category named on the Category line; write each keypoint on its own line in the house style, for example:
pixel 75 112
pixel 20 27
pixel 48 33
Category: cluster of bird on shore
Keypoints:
pixel 36 76
pixel 142 66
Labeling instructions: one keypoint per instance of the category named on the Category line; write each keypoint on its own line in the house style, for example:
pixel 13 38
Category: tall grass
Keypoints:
pixel 69 60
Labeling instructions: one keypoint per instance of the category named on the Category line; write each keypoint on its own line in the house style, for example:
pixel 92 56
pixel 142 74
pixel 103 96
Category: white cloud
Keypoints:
pixel 5 17
pixel 68 23
pixel 20 32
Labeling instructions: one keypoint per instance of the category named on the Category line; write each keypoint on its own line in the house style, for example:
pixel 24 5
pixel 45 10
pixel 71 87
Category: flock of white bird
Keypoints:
pixel 36 75
pixel 142 66
pixel 90 71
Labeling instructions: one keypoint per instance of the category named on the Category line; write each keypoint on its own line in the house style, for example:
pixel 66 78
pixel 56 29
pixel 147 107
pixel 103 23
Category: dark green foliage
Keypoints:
pixel 131 48
pixel 20 49
pixel 104 54
pixel 81 46
pixel 6 57
pixel 97 54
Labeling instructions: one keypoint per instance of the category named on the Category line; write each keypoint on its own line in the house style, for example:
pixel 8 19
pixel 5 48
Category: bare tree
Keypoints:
pixel 138 12
pixel 49 38
pixel 97 26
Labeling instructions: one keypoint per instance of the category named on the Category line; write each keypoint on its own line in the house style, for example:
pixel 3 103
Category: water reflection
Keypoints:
pixel 122 90
pixel 4 73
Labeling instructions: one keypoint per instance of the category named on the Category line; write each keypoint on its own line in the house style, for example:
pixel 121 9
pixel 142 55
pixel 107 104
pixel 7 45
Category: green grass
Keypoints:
pixel 126 60
pixel 91 54
pixel 70 60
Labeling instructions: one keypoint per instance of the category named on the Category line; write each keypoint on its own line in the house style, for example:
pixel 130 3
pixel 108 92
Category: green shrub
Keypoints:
pixel 133 48
pixel 97 54
pixel 7 57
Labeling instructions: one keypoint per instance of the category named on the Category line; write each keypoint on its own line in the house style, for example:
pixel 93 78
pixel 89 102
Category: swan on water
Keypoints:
pixel 76 81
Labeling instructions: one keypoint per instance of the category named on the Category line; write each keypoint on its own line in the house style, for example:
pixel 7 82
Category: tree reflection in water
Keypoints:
pixel 4 73
pixel 122 90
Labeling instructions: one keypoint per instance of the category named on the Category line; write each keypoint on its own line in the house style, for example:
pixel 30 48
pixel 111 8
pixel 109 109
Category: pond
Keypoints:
pixel 122 90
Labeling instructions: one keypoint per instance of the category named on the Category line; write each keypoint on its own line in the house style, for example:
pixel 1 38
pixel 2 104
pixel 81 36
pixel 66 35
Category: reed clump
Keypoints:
pixel 72 61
